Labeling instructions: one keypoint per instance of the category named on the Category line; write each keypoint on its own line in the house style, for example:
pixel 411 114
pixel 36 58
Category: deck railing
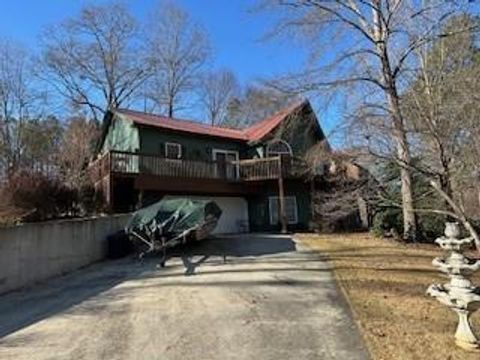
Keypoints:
pixel 259 169
pixel 129 163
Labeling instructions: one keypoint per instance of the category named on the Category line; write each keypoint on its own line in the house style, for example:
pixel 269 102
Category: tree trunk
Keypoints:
pixel 403 154
pixel 399 131
pixel 446 186
pixel 445 178
pixel 409 218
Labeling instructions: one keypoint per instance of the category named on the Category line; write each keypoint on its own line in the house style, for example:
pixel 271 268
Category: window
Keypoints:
pixel 279 148
pixel 173 150
pixel 291 211
pixel 225 163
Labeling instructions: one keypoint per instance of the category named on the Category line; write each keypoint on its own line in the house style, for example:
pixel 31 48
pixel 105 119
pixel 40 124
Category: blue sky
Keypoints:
pixel 235 34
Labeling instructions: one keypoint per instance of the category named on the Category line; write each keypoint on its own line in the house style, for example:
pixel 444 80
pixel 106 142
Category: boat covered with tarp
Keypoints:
pixel 171 222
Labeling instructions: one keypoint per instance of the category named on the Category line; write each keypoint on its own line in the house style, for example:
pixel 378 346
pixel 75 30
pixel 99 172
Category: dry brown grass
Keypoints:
pixel 385 283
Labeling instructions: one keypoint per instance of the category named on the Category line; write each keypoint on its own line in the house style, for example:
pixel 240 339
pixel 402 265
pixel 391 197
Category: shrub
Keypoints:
pixel 431 226
pixel 387 222
pixel 33 196
pixel 90 201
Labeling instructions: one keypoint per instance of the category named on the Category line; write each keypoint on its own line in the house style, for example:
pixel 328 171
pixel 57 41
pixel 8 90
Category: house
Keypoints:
pixel 256 174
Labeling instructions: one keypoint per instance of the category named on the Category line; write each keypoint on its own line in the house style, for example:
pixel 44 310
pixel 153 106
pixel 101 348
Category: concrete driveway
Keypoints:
pixel 269 300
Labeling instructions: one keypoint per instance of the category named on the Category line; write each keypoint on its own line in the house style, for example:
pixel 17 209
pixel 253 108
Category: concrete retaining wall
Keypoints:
pixel 34 252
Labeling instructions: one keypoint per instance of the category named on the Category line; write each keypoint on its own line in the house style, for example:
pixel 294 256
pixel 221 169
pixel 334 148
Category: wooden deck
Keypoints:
pixel 147 172
pixel 134 164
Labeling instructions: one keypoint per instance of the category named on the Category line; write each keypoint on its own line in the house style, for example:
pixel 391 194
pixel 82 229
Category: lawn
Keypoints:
pixel 385 283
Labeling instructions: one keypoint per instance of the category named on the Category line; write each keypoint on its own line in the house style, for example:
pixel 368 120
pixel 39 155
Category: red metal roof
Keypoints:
pixel 181 125
pixel 252 133
pixel 258 130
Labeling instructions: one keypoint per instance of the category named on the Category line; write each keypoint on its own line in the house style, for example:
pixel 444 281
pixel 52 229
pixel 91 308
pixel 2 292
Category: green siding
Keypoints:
pixel 301 131
pixel 258 208
pixel 122 136
pixel 200 148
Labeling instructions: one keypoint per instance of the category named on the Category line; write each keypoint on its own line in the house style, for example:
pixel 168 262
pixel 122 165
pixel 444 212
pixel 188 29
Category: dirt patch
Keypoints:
pixel 385 283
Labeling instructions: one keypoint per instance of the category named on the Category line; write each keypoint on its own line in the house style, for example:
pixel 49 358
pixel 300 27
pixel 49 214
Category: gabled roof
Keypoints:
pixel 258 130
pixel 189 126
pixel 253 133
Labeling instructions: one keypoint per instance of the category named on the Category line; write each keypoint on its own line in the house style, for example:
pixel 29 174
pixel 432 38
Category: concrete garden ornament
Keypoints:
pixel 459 294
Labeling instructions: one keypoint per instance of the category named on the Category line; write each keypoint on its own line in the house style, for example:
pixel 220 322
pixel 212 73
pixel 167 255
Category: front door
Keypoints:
pixel 224 167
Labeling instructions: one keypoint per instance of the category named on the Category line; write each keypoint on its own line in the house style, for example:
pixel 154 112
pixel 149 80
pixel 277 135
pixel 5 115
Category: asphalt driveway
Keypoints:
pixel 242 297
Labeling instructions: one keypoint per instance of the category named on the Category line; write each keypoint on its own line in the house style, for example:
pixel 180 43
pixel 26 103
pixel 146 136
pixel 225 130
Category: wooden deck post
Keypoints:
pixel 109 190
pixel 281 197
pixel 140 199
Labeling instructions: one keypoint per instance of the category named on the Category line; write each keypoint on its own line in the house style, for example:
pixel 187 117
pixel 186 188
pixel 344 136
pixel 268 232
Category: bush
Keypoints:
pixel 387 222
pixel 89 200
pixel 431 226
pixel 33 196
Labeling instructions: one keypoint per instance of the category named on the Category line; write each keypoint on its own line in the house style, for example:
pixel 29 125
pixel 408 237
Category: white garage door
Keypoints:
pixel 234 217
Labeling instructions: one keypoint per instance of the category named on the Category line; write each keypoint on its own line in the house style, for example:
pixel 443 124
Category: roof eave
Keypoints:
pixel 140 124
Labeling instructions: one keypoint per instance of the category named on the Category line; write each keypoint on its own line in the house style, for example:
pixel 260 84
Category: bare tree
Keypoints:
pixel 94 59
pixel 18 100
pixel 255 103
pixel 77 149
pixel 216 90
pixel 439 105
pixel 41 143
pixel 372 44
pixel 178 49
pixel 343 191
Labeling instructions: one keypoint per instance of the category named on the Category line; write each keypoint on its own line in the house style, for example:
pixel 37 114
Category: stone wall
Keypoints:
pixel 34 252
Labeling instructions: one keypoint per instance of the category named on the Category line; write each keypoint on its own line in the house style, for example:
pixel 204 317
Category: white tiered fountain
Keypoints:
pixel 459 294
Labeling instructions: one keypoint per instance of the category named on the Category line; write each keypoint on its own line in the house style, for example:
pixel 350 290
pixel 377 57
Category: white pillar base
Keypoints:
pixel 464 336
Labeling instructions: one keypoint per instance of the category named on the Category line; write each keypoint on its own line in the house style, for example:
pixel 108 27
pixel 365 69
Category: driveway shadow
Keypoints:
pixel 23 308
pixel 239 246
pixel 247 245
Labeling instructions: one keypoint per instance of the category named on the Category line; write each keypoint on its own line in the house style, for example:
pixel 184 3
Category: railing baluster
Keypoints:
pixel 135 163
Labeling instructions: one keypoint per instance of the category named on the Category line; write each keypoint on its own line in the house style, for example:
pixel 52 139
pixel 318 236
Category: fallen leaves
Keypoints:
pixel 385 283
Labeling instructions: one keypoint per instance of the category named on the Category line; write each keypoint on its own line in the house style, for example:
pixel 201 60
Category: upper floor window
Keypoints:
pixel 173 150
pixel 279 148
